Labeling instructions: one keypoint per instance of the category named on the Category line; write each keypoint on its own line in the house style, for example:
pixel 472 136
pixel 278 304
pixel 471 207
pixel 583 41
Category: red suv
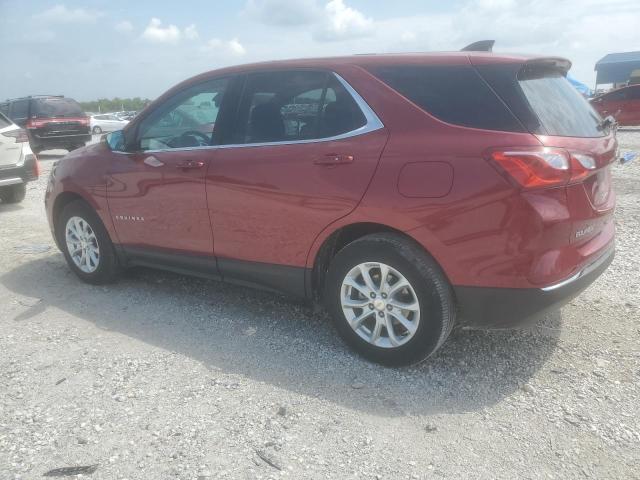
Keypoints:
pixel 407 192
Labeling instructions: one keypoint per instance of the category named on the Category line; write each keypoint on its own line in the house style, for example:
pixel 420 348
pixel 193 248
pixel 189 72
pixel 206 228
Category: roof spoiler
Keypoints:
pixel 480 46
pixel 556 63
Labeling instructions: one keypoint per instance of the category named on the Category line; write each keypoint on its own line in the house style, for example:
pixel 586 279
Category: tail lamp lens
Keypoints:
pixel 535 168
pixel 544 167
pixel 20 135
pixel 581 166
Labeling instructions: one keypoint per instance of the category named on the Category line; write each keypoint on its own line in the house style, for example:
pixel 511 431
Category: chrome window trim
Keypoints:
pixel 372 124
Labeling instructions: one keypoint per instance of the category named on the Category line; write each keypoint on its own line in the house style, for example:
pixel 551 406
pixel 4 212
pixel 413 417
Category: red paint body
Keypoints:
pixel 272 204
pixel 623 104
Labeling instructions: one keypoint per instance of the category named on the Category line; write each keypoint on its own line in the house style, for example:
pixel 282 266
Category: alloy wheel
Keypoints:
pixel 380 304
pixel 82 244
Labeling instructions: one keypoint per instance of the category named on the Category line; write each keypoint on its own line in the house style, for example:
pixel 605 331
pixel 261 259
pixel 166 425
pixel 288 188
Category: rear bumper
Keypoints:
pixel 44 141
pixel 507 307
pixel 18 174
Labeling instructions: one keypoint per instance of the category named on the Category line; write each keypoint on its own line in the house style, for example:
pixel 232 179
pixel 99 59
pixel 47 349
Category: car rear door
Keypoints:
pixel 299 156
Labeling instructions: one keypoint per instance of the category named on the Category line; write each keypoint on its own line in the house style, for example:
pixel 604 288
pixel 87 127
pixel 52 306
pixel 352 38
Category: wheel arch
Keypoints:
pixel 339 239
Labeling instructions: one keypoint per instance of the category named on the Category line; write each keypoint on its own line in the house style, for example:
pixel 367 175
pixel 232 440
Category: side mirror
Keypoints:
pixel 115 141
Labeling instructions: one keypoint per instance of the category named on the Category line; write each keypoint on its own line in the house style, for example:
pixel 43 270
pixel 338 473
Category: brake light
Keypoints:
pixel 36 123
pixel 534 168
pixel 36 166
pixel 84 121
pixel 541 167
pixel 20 135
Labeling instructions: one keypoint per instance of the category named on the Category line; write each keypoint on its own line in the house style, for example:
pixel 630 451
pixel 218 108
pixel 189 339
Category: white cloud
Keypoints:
pixel 231 47
pixel 156 33
pixel 124 26
pixel 191 32
pixel 342 22
pixel 283 12
pixel 61 14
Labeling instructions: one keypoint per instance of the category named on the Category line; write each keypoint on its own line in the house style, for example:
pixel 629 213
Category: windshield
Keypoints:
pixel 560 108
pixel 57 107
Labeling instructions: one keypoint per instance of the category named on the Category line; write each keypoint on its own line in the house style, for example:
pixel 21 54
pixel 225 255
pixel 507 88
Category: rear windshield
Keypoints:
pixel 561 109
pixel 56 107
pixel 455 94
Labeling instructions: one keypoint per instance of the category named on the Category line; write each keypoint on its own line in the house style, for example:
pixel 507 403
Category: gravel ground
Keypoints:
pixel 162 376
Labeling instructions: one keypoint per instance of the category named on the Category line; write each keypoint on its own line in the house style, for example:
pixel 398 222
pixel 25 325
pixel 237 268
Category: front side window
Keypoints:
pixel 634 93
pixel 4 121
pixel 617 96
pixel 289 106
pixel 185 120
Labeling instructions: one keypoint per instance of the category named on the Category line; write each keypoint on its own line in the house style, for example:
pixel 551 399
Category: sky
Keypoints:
pixel 95 49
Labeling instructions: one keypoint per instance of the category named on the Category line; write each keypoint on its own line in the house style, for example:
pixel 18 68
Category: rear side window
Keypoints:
pixel 287 106
pixel 559 106
pixel 455 94
pixel 19 110
pixel 56 107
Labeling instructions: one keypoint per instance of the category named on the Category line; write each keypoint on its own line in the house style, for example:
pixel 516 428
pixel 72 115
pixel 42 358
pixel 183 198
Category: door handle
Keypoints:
pixel 334 159
pixel 190 164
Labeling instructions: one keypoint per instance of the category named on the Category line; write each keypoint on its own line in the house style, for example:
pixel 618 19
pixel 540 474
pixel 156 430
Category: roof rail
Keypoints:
pixel 480 46
pixel 33 96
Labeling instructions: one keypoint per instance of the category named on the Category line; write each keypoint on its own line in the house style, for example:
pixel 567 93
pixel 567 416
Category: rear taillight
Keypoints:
pixel 581 166
pixel 542 167
pixel 84 121
pixel 37 123
pixel 20 135
pixel 32 167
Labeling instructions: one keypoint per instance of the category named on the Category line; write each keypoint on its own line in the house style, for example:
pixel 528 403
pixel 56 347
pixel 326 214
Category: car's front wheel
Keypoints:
pixel 97 130
pixel 389 299
pixel 13 193
pixel 86 244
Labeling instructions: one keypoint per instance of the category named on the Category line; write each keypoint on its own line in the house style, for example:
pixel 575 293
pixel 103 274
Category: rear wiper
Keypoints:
pixel 607 123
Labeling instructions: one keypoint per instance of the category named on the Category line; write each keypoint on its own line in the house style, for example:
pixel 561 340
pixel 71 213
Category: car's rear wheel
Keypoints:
pixel 97 130
pixel 86 244
pixel 389 299
pixel 13 193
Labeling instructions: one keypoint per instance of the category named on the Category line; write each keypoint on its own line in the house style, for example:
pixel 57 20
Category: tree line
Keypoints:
pixel 115 104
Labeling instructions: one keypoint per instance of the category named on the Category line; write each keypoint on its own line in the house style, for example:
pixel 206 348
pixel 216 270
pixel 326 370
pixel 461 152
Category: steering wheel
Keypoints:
pixel 203 138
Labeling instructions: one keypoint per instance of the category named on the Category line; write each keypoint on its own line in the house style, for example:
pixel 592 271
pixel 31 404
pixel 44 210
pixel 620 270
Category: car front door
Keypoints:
pixel 156 192
pixel 302 150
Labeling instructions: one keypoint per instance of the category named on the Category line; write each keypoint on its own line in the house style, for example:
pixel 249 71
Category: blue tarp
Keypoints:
pixel 617 67
pixel 581 87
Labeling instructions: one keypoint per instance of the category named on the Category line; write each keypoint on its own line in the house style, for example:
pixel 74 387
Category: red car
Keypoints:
pixel 407 192
pixel 623 104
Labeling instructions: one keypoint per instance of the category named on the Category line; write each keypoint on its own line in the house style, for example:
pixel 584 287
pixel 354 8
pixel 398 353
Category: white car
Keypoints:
pixel 18 164
pixel 106 122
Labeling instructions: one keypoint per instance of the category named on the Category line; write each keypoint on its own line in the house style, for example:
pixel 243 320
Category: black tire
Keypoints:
pixel 434 294
pixel 108 268
pixel 13 193
pixel 97 130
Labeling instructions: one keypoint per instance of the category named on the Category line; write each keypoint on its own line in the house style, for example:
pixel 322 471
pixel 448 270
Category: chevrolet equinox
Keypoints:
pixel 406 192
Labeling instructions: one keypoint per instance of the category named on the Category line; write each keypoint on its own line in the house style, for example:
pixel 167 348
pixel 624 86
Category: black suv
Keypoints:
pixel 52 121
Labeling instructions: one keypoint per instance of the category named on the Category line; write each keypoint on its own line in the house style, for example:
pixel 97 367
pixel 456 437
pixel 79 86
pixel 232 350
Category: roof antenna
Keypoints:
pixel 480 46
